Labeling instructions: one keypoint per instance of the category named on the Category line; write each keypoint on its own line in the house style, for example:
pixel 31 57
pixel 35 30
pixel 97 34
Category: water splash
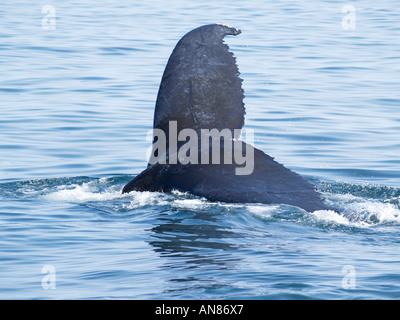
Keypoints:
pixel 361 205
pixel 97 190
pixel 358 205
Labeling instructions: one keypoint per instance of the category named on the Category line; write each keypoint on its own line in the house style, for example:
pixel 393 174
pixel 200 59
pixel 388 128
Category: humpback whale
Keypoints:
pixel 201 91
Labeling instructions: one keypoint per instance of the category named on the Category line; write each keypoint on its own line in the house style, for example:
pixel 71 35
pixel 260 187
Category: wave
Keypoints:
pixel 360 206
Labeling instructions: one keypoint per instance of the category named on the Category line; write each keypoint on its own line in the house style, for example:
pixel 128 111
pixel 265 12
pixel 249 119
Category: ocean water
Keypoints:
pixel 78 83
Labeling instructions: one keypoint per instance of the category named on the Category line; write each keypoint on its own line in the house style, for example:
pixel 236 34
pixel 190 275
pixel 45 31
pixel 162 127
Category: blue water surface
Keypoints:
pixel 78 83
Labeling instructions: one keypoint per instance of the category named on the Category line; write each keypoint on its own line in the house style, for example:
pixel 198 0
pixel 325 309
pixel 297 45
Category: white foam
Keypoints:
pixel 374 212
pixel 357 211
pixel 191 204
pixel 146 198
pixel 98 191
pixel 361 214
pixel 264 212
pixel 330 216
pixel 83 193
